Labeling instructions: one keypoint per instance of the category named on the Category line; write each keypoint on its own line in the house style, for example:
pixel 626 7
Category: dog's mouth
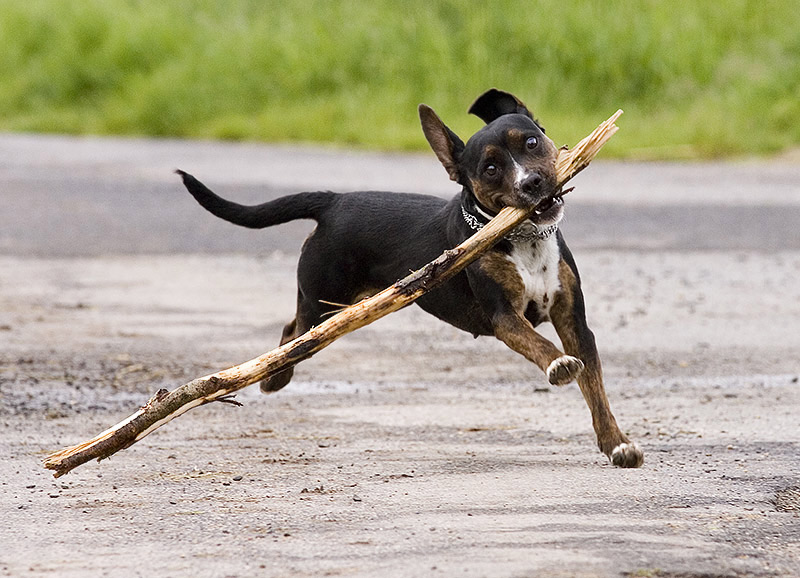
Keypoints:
pixel 549 209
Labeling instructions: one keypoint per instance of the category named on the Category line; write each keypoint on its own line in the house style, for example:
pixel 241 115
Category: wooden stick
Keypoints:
pixel 167 405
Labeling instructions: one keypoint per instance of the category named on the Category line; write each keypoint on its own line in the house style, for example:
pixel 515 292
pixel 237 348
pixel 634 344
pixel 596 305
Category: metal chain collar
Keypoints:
pixel 524 232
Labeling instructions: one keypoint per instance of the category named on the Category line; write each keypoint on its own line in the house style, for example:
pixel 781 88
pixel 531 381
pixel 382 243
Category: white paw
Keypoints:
pixel 627 456
pixel 564 369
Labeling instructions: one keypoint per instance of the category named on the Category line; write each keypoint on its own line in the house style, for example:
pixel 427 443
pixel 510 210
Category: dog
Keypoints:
pixel 365 241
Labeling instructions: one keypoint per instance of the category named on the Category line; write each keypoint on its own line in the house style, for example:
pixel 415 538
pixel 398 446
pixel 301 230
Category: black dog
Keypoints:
pixel 365 241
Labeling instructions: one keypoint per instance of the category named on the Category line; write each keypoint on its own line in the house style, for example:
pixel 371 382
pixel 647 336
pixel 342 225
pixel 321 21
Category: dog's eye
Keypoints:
pixel 531 143
pixel 490 170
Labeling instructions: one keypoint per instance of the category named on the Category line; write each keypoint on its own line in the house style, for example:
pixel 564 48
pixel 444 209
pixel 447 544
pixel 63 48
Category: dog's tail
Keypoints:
pixel 282 210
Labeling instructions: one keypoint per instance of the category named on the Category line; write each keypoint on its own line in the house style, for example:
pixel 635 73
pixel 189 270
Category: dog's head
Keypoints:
pixel 508 163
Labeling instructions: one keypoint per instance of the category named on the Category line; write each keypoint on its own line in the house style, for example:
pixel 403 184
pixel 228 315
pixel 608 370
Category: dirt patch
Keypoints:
pixel 788 500
pixel 399 450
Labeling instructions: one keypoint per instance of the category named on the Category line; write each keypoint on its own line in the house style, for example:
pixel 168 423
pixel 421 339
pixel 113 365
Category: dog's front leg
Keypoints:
pixel 569 319
pixel 518 333
pixel 499 290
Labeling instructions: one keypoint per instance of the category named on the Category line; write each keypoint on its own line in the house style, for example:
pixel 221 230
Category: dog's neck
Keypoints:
pixel 476 216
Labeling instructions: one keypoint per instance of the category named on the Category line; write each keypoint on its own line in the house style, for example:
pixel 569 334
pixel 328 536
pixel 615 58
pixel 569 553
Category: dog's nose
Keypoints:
pixel 531 184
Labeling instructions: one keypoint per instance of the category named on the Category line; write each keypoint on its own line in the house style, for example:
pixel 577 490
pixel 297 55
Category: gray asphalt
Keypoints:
pixel 69 197
pixel 407 448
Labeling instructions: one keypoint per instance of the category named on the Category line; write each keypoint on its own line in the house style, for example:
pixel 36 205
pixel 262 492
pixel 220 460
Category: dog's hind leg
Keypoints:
pixel 282 378
pixel 309 314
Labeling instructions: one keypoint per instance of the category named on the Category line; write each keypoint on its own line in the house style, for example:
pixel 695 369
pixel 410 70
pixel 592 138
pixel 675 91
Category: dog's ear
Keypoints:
pixel 444 142
pixel 494 103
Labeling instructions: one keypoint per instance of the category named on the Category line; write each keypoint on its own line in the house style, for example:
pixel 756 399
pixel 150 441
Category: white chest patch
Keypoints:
pixel 537 265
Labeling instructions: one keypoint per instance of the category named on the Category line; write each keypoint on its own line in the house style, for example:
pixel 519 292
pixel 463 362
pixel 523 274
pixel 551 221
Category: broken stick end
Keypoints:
pixel 60 461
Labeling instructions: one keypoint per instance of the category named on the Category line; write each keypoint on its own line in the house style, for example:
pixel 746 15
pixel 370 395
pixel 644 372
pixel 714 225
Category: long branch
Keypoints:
pixel 167 405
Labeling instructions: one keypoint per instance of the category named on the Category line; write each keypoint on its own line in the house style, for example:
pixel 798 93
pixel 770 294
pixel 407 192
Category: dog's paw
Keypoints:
pixel 627 456
pixel 564 369
pixel 277 381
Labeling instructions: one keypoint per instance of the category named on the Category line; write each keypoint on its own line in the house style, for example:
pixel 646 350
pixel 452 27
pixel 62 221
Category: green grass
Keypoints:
pixel 694 77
